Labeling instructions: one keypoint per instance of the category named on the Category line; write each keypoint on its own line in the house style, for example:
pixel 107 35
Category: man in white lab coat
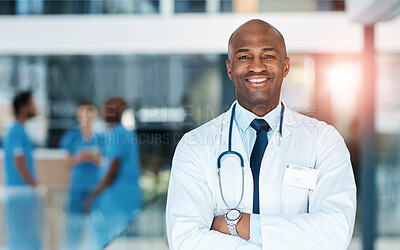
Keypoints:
pixel 298 189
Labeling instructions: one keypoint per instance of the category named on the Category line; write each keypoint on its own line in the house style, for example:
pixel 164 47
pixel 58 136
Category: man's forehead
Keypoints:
pixel 254 26
pixel 256 32
pixel 256 42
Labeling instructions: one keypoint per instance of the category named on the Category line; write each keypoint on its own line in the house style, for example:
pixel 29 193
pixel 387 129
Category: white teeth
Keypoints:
pixel 258 80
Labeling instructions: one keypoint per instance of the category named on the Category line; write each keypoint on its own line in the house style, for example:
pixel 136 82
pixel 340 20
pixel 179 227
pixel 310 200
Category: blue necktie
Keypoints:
pixel 262 127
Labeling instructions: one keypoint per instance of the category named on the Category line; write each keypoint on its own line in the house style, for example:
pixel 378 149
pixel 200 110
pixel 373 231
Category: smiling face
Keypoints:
pixel 257 65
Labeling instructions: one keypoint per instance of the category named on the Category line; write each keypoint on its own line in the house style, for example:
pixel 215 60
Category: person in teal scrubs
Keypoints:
pixel 118 197
pixel 83 158
pixel 23 207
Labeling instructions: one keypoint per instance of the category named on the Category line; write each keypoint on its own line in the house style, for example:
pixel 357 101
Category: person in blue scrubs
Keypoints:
pixel 84 147
pixel 23 207
pixel 118 197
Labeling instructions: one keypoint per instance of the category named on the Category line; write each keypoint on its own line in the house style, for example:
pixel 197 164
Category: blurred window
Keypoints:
pixel 388 127
pixel 54 7
pixel 7 7
pixel 101 7
pixel 190 6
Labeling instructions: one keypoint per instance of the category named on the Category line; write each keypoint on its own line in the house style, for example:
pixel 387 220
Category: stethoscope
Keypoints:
pixel 238 155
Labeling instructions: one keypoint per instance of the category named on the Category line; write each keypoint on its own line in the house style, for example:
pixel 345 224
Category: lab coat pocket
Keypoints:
pixel 297 182
pixel 295 199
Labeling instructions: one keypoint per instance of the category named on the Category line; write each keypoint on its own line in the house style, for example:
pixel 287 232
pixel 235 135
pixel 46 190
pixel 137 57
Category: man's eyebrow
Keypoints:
pixel 269 49
pixel 248 50
pixel 242 50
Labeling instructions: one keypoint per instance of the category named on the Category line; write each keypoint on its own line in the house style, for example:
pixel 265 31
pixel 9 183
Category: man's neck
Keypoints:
pixel 21 118
pixel 260 110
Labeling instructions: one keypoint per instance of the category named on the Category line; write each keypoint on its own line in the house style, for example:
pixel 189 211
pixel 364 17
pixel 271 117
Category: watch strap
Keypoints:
pixel 232 223
pixel 232 228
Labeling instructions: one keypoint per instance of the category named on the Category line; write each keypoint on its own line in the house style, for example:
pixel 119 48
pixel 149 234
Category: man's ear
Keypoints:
pixel 286 67
pixel 228 68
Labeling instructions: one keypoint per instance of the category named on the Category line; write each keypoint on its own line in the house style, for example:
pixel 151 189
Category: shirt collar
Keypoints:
pixel 244 117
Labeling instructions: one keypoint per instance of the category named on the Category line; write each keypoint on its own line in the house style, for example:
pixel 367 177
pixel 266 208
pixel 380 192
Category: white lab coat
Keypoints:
pixel 291 217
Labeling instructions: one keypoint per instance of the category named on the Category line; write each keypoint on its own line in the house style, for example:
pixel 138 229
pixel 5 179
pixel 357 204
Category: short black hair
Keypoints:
pixel 20 100
pixel 86 103
pixel 113 108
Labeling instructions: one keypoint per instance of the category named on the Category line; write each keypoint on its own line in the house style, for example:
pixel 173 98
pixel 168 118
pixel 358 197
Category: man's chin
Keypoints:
pixel 258 99
pixel 262 102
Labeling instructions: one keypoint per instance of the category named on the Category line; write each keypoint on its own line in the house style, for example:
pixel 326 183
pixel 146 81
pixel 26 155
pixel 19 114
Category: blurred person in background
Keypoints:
pixel 83 159
pixel 118 195
pixel 23 208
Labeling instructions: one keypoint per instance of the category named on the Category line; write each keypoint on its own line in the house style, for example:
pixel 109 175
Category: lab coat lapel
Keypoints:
pixel 237 143
pixel 231 182
pixel 288 122
pixel 238 146
pixel 272 169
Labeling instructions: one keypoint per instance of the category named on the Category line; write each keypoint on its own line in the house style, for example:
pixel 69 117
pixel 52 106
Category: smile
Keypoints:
pixel 258 80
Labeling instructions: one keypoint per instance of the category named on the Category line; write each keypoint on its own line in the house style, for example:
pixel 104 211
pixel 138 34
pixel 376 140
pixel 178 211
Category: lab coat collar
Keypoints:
pixel 237 144
pixel 289 121
pixel 245 117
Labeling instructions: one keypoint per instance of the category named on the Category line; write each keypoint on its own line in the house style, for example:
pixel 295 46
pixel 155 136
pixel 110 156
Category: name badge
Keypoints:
pixel 302 177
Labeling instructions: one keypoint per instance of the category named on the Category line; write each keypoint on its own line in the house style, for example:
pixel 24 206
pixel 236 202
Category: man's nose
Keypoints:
pixel 257 65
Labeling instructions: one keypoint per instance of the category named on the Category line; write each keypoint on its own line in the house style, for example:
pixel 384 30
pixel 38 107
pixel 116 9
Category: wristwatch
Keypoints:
pixel 232 217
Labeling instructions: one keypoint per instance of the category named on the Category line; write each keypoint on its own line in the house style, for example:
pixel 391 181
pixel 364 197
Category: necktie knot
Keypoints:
pixel 260 125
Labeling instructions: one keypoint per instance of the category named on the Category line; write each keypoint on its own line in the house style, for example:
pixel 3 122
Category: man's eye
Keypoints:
pixel 269 56
pixel 243 57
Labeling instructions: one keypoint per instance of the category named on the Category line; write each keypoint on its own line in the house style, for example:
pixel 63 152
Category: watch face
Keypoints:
pixel 233 214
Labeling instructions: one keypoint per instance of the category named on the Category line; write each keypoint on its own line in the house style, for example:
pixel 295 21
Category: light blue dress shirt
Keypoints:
pixel 243 119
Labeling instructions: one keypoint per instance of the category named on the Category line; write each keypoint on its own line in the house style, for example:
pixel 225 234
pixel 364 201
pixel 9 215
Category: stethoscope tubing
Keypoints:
pixel 231 152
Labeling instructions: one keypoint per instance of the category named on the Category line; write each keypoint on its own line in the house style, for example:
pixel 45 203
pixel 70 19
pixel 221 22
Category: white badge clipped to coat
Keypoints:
pixel 302 177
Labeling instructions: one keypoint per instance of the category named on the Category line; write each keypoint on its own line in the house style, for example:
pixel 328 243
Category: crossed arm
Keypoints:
pixel 243 226
pixel 190 216
pixel 192 224
pixel 82 157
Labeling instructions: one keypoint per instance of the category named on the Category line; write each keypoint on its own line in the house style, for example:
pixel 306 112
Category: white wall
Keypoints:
pixel 387 36
pixel 311 32
pixel 202 33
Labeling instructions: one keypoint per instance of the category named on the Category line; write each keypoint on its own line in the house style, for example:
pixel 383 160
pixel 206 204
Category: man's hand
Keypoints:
pixel 242 227
pixel 83 157
pixel 219 224
pixel 89 157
